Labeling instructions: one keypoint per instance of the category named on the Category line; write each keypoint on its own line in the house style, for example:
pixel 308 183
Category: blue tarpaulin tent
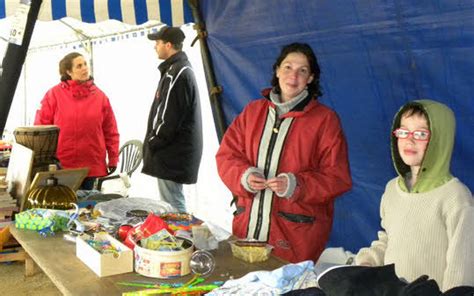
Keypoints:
pixel 374 56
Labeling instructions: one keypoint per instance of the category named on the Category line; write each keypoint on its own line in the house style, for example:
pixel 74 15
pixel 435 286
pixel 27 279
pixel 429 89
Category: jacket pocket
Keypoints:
pixel 296 218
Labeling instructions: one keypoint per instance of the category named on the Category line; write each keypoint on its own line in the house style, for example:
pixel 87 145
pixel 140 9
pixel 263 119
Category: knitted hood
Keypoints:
pixel 435 168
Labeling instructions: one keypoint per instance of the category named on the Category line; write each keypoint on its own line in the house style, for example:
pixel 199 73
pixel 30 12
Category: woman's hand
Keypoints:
pixel 278 184
pixel 256 181
pixel 111 169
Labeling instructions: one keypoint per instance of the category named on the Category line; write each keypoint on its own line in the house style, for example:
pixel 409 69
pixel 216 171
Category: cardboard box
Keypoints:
pixel 107 263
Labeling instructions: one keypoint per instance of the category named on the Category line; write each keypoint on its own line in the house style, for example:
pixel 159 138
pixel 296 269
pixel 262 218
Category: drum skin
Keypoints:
pixel 42 139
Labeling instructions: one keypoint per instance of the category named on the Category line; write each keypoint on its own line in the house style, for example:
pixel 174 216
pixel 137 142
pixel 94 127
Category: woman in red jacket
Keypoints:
pixel 285 158
pixel 88 134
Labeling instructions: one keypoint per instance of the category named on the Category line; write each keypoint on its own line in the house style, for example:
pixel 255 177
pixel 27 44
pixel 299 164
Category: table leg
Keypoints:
pixel 30 266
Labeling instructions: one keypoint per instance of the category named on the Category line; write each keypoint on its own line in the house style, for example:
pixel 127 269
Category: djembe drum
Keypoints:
pixel 43 140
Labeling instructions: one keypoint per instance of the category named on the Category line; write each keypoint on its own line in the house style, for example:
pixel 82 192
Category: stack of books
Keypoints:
pixel 8 206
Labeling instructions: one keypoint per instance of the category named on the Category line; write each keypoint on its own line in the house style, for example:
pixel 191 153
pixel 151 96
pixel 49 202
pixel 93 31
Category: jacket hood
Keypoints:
pixel 435 167
pixel 79 89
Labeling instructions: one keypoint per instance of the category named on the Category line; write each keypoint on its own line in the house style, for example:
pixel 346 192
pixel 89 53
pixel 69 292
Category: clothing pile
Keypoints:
pixel 301 279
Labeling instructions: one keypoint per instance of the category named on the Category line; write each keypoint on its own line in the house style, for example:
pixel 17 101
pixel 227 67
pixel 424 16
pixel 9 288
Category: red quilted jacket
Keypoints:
pixel 88 131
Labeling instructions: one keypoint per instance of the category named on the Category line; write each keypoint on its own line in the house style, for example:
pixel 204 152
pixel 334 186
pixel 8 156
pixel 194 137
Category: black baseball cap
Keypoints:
pixel 168 34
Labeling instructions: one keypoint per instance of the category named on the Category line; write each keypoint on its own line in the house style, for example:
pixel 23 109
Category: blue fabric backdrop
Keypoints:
pixel 374 56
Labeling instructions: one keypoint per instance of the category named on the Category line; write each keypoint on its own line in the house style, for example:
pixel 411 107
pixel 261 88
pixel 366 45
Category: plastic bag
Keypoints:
pixel 39 219
pixel 117 209
pixel 150 226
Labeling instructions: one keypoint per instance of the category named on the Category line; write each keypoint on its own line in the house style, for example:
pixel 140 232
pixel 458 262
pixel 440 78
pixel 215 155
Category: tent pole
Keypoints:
pixel 13 62
pixel 214 89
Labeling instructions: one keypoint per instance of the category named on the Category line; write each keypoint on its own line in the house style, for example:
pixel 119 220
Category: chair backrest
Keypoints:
pixel 130 156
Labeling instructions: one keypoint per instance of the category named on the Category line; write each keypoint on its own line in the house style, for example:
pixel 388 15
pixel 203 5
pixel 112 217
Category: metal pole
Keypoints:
pixel 214 89
pixel 13 62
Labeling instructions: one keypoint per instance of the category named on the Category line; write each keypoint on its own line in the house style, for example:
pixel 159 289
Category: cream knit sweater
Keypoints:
pixel 429 233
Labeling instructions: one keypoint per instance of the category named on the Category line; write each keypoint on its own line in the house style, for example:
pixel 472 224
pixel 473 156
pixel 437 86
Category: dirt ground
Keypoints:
pixel 14 282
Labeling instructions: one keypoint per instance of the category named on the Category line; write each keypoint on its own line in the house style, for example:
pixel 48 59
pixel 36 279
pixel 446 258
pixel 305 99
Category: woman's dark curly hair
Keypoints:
pixel 314 88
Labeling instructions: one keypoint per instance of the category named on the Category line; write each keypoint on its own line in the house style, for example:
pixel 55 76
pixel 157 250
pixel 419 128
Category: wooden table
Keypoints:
pixel 57 258
pixel 10 250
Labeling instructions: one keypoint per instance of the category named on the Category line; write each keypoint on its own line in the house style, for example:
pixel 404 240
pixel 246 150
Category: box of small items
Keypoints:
pixel 104 254
pixel 251 250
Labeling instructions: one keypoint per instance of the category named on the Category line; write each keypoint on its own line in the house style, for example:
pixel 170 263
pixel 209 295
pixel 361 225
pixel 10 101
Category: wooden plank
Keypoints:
pixel 12 251
pixel 14 254
pixel 56 257
pixel 18 254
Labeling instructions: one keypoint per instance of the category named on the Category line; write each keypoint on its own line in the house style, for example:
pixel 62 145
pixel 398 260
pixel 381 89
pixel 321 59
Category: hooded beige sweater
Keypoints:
pixel 428 230
pixel 428 233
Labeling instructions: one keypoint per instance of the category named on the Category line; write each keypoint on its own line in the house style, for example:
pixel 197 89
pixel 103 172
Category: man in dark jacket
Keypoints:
pixel 173 143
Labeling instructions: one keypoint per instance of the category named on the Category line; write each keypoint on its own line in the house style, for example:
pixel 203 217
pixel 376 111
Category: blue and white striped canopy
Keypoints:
pixel 134 12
